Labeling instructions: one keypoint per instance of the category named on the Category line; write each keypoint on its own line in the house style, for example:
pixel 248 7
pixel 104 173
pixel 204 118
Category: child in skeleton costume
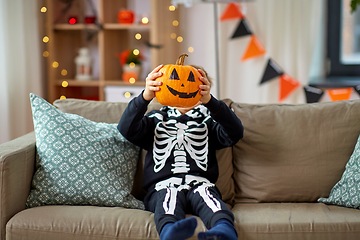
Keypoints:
pixel 180 166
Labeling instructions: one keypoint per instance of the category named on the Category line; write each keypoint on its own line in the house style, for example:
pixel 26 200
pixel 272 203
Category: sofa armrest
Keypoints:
pixel 17 161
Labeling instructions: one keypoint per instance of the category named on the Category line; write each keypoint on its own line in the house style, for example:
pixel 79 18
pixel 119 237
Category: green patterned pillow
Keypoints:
pixel 346 192
pixel 80 162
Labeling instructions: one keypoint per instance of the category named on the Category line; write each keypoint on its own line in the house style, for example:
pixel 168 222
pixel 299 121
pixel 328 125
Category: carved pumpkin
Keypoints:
pixel 180 86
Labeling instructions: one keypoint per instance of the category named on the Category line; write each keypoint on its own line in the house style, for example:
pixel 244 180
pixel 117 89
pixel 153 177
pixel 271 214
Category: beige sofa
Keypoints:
pixel 289 157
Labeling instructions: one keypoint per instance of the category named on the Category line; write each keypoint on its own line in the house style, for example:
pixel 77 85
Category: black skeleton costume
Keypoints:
pixel 180 165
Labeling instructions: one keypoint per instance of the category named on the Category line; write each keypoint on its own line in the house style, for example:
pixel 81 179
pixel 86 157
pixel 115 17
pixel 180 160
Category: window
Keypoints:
pixel 343 39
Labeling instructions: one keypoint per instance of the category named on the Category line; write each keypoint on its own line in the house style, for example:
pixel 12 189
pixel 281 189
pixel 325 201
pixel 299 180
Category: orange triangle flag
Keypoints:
pixel 254 49
pixel 339 94
pixel 232 11
pixel 287 86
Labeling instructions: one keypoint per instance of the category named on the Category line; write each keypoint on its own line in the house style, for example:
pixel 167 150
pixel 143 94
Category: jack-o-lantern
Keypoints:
pixel 180 85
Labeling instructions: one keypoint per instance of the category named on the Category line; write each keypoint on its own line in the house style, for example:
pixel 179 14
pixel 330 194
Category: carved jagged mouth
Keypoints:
pixel 182 94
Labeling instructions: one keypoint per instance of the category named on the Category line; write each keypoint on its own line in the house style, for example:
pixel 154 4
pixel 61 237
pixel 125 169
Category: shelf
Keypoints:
pixel 77 26
pixel 96 83
pixel 78 83
pixel 104 41
pixel 106 26
pixel 117 26
pixel 122 83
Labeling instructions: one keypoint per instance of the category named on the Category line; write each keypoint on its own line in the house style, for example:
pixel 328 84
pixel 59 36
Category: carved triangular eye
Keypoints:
pixel 191 77
pixel 174 75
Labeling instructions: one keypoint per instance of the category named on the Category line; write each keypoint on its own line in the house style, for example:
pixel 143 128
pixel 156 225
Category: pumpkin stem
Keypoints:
pixel 181 59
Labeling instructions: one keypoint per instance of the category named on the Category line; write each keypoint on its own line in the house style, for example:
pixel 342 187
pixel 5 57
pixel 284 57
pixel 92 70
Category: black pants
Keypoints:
pixel 170 204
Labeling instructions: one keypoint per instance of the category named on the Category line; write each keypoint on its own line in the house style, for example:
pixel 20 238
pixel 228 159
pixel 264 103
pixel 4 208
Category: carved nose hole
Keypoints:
pixel 182 85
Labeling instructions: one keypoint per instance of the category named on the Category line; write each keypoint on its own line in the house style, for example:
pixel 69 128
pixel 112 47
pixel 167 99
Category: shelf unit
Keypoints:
pixel 104 40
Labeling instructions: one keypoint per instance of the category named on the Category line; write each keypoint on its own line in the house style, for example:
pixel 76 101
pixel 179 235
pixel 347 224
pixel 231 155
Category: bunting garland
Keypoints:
pixel 232 11
pixel 243 29
pixel 357 89
pixel 313 94
pixel 254 49
pixel 339 93
pixel 272 71
pixel 287 84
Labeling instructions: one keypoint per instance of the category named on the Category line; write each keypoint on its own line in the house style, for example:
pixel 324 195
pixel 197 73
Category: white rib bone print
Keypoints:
pixel 190 138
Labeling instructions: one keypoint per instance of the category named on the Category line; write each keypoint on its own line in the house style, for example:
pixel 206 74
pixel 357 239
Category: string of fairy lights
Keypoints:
pixel 64 72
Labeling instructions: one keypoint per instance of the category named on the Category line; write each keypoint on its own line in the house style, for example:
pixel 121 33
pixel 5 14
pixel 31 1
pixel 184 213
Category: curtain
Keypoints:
pixel 288 30
pixel 20 66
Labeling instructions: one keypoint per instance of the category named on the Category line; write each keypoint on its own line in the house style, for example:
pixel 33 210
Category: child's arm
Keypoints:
pixel 227 128
pixel 134 125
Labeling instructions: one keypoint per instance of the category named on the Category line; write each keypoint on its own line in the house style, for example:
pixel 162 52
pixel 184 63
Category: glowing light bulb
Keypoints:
pixel 138 36
pixel 64 84
pixel 190 49
pixel 127 94
pixel 173 35
pixel 132 65
pixel 46 54
pixel 175 23
pixel 43 9
pixel 132 80
pixel 145 20
pixel 46 39
pixel 180 39
pixel 136 52
pixel 55 64
pixel 64 72
pixel 62 97
pixel 172 8
pixel 73 20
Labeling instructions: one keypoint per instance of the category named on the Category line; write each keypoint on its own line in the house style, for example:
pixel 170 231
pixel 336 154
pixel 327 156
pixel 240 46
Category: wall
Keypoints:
pixel 197 28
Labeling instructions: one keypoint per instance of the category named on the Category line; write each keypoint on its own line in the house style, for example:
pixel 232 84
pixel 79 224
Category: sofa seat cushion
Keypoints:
pixel 84 222
pixel 296 221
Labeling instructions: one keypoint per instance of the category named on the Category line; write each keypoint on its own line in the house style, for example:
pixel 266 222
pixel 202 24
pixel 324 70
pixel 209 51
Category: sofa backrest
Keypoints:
pixel 293 153
pixel 111 112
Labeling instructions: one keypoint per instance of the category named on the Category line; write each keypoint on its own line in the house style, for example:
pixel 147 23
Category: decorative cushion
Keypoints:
pixel 80 162
pixel 346 192
pixel 293 153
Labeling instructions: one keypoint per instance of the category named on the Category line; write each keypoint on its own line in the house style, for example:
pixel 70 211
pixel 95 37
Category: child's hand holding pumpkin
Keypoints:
pixel 204 89
pixel 152 85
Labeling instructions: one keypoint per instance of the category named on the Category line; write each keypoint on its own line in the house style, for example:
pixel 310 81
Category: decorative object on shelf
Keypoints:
pixel 130 60
pixel 125 16
pixel 130 76
pixel 73 20
pixel 83 65
pixel 182 93
pixel 144 19
pixel 90 19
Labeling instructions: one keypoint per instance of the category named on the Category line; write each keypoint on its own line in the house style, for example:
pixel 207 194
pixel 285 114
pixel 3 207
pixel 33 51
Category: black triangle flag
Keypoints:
pixel 313 94
pixel 272 70
pixel 357 89
pixel 243 29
